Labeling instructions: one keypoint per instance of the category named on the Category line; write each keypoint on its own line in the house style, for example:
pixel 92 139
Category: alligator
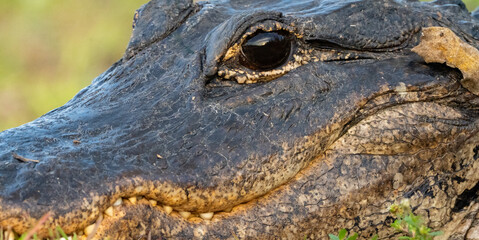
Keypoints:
pixel 257 120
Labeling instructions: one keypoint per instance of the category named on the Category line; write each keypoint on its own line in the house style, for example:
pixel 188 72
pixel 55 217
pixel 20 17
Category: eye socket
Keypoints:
pixel 266 50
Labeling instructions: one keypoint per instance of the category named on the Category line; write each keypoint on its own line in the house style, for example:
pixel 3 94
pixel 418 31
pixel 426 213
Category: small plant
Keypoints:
pixel 58 234
pixel 410 224
pixel 406 222
pixel 343 235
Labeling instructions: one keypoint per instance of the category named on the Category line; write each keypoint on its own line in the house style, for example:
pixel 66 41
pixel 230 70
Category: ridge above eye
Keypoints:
pixel 266 50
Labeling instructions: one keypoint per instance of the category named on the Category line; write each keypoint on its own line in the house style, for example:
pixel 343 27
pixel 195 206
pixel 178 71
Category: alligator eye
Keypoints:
pixel 266 50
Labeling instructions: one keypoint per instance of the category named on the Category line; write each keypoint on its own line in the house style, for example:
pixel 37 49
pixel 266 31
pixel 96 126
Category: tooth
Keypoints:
pixel 186 215
pixel 228 210
pixel 168 209
pixel 88 230
pixel 117 202
pixel 153 202
pixel 8 235
pixel 207 216
pixel 132 200
pixel 109 211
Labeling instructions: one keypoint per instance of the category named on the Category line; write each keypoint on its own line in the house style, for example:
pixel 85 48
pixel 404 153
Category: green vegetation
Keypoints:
pixel 471 4
pixel 343 235
pixel 411 226
pixel 58 234
pixel 408 223
pixel 49 50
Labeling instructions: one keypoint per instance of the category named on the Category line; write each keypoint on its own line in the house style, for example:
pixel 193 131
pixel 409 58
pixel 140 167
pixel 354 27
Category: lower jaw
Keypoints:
pixel 318 201
pixel 335 191
pixel 290 213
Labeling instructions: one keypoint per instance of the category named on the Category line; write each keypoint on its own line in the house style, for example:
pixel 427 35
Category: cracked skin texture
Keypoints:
pixel 357 123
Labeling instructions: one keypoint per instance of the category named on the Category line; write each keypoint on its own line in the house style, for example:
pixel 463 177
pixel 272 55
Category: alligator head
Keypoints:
pixel 257 119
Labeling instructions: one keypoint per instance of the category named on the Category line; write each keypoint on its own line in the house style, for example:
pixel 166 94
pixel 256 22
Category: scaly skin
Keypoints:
pixel 352 122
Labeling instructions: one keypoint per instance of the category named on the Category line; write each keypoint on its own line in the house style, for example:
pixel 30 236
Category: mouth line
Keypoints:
pixel 115 211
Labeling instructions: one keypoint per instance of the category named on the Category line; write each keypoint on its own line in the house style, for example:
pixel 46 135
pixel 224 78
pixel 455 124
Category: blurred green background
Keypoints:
pixel 50 49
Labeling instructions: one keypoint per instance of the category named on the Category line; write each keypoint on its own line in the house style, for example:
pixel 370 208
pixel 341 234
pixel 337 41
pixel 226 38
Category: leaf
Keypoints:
pixel 355 235
pixel 436 233
pixel 342 233
pixel 375 237
pixel 50 233
pixel 410 220
pixel 397 224
pixel 333 237
pixel 60 230
pixel 405 237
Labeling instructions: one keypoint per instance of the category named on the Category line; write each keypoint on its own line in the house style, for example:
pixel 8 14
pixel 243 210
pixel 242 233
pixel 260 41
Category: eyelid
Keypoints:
pixel 223 36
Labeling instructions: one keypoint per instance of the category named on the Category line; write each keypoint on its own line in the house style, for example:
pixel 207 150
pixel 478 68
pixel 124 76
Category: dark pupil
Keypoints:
pixel 266 50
